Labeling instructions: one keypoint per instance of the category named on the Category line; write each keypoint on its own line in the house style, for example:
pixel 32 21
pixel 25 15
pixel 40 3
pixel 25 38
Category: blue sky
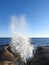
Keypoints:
pixel 36 13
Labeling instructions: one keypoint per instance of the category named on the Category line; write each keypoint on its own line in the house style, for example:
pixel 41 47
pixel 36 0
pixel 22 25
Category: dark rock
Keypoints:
pixel 41 56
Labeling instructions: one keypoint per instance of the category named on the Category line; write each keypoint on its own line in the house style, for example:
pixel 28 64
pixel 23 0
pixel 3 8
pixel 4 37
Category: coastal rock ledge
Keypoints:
pixel 41 57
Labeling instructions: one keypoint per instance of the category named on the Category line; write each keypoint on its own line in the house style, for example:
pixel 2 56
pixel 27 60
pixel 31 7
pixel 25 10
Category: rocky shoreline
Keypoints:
pixel 41 57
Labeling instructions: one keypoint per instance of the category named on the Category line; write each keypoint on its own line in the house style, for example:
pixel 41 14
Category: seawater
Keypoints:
pixel 35 41
pixel 40 41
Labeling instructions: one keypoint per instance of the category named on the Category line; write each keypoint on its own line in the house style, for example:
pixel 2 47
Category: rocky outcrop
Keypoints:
pixel 7 57
pixel 41 56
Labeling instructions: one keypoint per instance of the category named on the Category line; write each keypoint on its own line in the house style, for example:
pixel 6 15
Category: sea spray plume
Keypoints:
pixel 20 44
pixel 18 24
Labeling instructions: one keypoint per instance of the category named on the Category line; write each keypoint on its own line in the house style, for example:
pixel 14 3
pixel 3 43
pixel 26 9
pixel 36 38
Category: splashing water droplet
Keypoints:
pixel 20 44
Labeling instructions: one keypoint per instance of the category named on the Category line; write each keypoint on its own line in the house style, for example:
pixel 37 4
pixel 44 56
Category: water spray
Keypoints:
pixel 21 45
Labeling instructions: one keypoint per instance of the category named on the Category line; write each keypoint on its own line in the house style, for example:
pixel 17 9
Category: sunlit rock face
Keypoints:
pixel 21 44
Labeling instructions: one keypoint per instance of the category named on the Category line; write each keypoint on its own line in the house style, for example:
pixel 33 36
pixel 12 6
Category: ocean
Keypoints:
pixel 40 41
pixel 35 41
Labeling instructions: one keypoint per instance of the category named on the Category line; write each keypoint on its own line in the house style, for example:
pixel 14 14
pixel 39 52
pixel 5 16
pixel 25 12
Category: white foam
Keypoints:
pixel 21 44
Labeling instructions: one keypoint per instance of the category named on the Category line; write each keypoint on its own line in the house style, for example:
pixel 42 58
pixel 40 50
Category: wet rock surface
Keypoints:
pixel 41 57
pixel 7 57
